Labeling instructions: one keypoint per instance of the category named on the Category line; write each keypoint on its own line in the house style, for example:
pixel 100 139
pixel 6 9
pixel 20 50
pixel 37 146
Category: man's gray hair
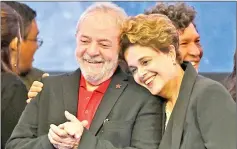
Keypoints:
pixel 105 7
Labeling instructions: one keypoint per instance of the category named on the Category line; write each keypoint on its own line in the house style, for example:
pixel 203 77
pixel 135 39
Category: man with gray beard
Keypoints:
pixel 97 106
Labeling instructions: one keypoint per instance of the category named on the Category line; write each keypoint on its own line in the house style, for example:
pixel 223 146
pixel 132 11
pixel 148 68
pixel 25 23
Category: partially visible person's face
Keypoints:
pixel 28 47
pixel 150 68
pixel 189 46
pixel 98 46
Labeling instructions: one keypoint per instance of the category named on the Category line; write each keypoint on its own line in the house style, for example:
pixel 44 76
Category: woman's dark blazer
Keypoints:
pixel 204 116
pixel 13 102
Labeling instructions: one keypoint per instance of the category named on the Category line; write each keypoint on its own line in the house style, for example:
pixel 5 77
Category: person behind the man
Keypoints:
pixel 116 112
pixel 183 17
pixel 29 45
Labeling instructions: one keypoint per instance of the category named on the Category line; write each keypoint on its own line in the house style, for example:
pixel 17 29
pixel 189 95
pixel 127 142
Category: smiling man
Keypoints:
pixel 108 110
pixel 183 17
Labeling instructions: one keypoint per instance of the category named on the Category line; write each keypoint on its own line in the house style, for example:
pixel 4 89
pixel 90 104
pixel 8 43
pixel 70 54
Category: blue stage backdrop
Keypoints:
pixel 216 22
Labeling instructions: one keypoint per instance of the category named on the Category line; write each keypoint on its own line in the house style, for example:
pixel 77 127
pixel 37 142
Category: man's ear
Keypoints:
pixel 13 44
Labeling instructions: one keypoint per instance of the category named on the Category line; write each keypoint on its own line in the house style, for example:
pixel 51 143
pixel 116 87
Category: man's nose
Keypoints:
pixel 93 50
pixel 194 50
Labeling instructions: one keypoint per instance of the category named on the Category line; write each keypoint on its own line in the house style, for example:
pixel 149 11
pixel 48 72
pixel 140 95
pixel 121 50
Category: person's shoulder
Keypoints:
pixel 10 79
pixel 57 78
pixel 212 97
pixel 211 91
pixel 204 83
pixel 37 70
pixel 11 82
pixel 34 73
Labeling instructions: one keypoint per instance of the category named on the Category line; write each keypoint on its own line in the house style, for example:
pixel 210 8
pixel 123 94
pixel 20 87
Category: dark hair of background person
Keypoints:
pixel 230 81
pixel 11 27
pixel 179 13
pixel 27 14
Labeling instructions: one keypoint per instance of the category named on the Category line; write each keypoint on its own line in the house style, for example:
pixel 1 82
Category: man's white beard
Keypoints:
pixel 96 76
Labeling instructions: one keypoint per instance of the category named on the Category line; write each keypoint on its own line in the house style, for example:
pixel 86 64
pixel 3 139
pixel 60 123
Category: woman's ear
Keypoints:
pixel 13 44
pixel 172 53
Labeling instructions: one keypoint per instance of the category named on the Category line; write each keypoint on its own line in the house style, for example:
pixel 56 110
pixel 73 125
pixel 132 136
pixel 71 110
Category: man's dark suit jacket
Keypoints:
pixel 128 117
pixel 13 102
pixel 204 116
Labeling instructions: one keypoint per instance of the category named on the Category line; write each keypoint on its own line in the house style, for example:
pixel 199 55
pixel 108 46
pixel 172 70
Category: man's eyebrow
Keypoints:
pixel 104 40
pixel 84 36
pixel 184 39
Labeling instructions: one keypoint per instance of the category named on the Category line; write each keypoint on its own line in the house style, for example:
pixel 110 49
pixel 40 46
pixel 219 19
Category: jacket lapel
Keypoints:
pixel 115 89
pixel 174 131
pixel 70 91
pixel 181 106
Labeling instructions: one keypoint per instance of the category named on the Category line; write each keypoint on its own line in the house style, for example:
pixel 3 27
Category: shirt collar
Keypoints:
pixel 102 87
